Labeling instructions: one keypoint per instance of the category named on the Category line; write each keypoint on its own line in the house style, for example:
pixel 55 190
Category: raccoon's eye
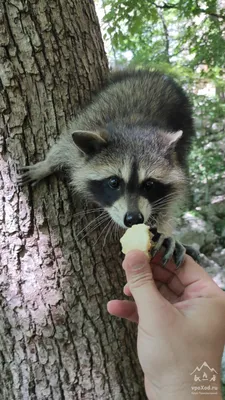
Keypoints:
pixel 149 184
pixel 114 182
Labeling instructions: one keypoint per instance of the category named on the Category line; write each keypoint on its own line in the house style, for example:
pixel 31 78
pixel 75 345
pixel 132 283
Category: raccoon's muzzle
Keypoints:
pixel 133 218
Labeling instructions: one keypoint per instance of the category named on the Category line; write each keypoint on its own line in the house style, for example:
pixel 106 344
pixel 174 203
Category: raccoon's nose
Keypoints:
pixel 133 218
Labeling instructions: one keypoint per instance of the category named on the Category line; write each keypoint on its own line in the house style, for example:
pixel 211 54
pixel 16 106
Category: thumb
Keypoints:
pixel 151 305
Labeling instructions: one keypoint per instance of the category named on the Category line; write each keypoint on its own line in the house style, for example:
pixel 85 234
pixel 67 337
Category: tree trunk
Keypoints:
pixel 57 340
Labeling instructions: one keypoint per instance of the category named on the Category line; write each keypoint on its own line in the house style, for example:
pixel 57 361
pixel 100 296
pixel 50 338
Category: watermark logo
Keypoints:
pixel 204 380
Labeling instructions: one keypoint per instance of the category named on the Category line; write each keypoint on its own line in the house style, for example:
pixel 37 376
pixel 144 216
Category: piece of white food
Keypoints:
pixel 138 237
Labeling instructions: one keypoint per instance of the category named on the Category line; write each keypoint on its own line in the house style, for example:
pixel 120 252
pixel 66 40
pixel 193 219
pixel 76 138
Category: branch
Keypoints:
pixel 212 14
pixel 167 39
pixel 166 6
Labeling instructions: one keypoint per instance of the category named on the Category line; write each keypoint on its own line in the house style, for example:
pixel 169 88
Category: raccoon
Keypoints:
pixel 127 151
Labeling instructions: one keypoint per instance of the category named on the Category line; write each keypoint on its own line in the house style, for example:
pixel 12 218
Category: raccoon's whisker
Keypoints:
pixel 114 227
pixel 99 217
pixel 159 211
pixel 102 232
pixel 116 231
pixel 99 223
pixel 93 228
pixel 163 201
pixel 90 223
pixel 173 193
pixel 110 227
pixel 161 207
pixel 168 196
pixel 88 211
pixel 112 231
pixel 84 213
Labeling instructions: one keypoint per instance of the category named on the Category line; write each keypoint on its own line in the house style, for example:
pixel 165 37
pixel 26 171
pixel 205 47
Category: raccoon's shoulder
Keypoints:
pixel 158 97
pixel 157 100
pixel 145 89
pixel 156 80
pixel 131 74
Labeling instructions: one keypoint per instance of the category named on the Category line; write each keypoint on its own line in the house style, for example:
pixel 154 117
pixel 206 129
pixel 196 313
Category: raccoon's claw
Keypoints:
pixel 26 177
pixel 32 174
pixel 179 254
pixel 173 248
pixel 191 251
pixel 25 180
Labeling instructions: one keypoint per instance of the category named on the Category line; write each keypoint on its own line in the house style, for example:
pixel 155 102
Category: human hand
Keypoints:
pixel 180 316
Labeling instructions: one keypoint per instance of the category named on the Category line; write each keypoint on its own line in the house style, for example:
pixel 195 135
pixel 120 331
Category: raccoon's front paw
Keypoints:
pixel 32 173
pixel 172 247
pixel 27 175
pixel 191 251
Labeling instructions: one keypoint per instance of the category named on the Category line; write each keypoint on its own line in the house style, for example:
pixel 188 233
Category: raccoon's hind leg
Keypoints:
pixel 55 160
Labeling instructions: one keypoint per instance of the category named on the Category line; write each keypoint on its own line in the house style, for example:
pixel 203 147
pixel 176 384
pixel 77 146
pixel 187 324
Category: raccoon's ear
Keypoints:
pixel 173 138
pixel 90 142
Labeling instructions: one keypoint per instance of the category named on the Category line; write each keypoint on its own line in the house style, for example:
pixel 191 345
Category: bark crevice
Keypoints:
pixel 57 341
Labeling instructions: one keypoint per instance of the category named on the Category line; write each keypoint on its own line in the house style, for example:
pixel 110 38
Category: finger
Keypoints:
pixel 189 273
pixel 170 287
pixel 123 309
pixel 126 290
pixel 170 266
pixel 192 273
pixel 171 279
pixel 191 277
pixel 168 294
pixel 151 306
pixel 161 276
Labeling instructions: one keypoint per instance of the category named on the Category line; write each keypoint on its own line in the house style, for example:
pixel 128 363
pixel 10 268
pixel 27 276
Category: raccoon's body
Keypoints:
pixel 127 151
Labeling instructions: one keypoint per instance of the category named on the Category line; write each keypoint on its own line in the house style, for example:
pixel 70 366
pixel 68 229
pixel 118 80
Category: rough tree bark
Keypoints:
pixel 57 340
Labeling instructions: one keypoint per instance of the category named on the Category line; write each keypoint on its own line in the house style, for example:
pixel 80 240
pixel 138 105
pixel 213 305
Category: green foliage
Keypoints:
pixel 140 26
pixel 185 38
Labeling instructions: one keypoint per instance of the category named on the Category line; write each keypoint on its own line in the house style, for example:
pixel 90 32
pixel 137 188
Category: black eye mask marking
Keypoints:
pixel 151 189
pixel 133 185
pixel 107 191
pixel 154 190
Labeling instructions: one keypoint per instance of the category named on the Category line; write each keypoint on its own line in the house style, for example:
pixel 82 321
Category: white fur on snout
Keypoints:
pixel 117 211
pixel 145 208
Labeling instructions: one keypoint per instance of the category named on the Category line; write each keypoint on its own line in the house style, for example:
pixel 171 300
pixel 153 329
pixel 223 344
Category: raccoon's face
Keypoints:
pixel 134 182
pixel 132 196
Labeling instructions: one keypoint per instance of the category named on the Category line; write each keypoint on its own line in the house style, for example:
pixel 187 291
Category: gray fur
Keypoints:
pixel 134 117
